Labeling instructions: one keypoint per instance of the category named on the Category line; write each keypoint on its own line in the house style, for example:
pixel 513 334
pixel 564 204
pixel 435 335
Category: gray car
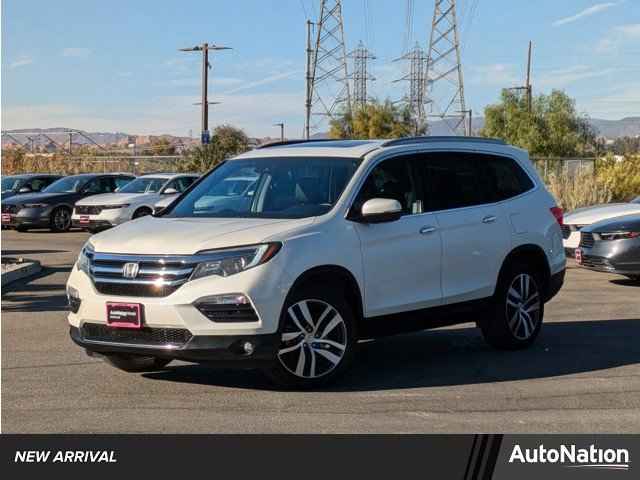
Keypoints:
pixel 612 246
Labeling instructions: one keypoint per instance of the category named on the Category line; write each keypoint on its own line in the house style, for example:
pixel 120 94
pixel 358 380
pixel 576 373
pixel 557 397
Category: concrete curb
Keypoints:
pixel 26 269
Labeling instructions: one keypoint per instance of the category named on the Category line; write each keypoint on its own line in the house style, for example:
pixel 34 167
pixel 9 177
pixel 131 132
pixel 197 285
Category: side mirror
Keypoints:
pixel 380 210
pixel 170 191
pixel 24 190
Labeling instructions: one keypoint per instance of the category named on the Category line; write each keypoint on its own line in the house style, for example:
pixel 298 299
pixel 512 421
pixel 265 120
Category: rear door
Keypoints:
pixel 402 258
pixel 474 230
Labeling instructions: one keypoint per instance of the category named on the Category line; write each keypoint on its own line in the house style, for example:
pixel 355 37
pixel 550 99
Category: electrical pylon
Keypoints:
pixel 360 75
pixel 329 79
pixel 444 82
pixel 416 76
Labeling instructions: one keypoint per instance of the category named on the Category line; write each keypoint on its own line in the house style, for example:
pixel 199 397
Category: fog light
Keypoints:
pixel 227 308
pixel 248 348
pixel 74 299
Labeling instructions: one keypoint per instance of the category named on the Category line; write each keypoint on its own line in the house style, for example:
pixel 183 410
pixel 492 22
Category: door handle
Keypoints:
pixel 489 219
pixel 428 229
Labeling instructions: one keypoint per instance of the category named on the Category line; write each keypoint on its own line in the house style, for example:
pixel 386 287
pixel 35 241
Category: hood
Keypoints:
pixel 48 198
pixel 166 200
pixel 589 215
pixel 112 198
pixel 186 236
pixel 617 224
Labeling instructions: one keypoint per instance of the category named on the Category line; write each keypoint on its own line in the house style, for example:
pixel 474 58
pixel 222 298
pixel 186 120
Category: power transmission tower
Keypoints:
pixel 416 76
pixel 360 75
pixel 204 48
pixel 328 79
pixel 444 83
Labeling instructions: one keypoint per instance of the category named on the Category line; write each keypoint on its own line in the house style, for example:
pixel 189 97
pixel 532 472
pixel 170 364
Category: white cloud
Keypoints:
pixel 495 75
pixel 560 78
pixel 263 81
pixel 622 101
pixel 21 62
pixel 618 37
pixel 77 52
pixel 587 12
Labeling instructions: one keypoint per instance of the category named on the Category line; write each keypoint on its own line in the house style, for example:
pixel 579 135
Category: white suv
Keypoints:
pixel 332 242
pixel 136 199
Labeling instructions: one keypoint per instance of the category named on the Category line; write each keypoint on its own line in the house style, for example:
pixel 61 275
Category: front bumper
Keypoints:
pixel 105 219
pixel 613 256
pixel 227 349
pixel 91 224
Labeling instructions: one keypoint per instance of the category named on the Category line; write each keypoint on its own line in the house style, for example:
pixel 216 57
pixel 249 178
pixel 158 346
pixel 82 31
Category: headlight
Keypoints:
pixel 84 259
pixel 234 260
pixel 618 235
pixel 111 207
pixel 35 205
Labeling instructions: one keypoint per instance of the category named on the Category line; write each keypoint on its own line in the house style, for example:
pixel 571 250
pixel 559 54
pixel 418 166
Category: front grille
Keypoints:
pixel 145 336
pixel 88 210
pixel 595 262
pixel 156 276
pixel 586 239
pixel 566 231
pixel 228 313
pixel 10 208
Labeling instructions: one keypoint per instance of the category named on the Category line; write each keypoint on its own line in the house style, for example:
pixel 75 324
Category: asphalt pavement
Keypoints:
pixel 582 375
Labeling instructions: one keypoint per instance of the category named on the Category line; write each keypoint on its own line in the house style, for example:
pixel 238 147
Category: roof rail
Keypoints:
pixel 433 139
pixel 293 142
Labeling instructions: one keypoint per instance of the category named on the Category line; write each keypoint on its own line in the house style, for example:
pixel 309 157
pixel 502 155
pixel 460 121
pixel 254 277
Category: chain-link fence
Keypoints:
pixel 564 167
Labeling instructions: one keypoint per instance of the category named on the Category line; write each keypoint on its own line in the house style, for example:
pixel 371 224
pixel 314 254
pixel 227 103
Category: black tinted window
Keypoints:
pixel 392 179
pixel 100 185
pixel 506 175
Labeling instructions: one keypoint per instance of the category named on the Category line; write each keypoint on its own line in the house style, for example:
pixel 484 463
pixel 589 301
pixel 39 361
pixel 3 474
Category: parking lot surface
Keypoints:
pixel 582 375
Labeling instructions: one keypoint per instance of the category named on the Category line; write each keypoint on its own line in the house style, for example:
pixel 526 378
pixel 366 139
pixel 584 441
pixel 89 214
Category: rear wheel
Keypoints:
pixel 135 363
pixel 60 219
pixel 318 339
pixel 635 278
pixel 515 317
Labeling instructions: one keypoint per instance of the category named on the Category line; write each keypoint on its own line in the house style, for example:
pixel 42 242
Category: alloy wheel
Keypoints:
pixel 523 306
pixel 62 219
pixel 314 339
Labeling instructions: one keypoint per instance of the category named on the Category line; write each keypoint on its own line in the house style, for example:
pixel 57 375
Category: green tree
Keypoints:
pixel 226 142
pixel 374 120
pixel 552 128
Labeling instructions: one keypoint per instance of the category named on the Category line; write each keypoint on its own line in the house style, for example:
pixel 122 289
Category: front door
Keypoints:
pixel 401 258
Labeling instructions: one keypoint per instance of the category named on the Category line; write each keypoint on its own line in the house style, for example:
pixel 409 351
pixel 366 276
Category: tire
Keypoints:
pixel 306 359
pixel 134 363
pixel 141 212
pixel 60 220
pixel 514 318
pixel 635 278
pixel 22 229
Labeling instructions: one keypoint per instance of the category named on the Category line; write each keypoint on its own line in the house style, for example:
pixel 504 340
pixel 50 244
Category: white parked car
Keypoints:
pixel 330 242
pixel 582 217
pixel 136 199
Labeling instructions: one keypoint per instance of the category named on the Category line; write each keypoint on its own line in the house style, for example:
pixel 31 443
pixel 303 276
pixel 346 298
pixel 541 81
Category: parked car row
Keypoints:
pixel 605 238
pixel 92 202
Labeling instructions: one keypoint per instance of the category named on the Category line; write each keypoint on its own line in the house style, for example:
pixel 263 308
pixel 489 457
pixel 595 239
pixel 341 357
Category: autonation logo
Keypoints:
pixel 573 457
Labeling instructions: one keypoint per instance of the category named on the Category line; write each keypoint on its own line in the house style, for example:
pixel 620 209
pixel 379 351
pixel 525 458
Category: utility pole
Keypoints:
pixel 415 97
pixel 527 88
pixel 70 141
pixel 204 48
pixel 360 75
pixel 309 83
pixel 444 82
pixel 281 125
pixel 329 74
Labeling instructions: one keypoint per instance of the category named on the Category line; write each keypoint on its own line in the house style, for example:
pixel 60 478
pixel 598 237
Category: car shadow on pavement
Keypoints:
pixel 27 296
pixel 22 253
pixel 458 357
pixel 625 282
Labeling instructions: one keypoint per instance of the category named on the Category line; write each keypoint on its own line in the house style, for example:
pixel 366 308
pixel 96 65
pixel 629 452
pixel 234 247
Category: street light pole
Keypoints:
pixel 281 125
pixel 204 48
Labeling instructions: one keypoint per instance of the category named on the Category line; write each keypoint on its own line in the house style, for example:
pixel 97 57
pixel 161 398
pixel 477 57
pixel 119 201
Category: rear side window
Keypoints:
pixel 452 180
pixel 508 178
pixel 122 181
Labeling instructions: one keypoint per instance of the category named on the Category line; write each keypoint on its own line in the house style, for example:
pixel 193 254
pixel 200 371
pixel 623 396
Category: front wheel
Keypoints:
pixel 515 317
pixel 135 363
pixel 318 339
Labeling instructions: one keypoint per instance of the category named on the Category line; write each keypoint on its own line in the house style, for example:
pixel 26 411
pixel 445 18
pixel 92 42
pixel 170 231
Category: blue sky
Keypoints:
pixel 114 66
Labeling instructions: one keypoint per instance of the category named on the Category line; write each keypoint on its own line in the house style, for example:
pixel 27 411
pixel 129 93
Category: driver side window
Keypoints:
pixel 99 185
pixel 392 179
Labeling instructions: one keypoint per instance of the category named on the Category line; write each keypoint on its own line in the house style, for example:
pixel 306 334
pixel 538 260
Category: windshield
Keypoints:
pixel 12 184
pixel 143 185
pixel 66 185
pixel 269 188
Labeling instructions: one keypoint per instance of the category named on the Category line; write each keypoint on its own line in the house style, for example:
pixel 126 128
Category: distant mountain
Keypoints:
pixel 626 127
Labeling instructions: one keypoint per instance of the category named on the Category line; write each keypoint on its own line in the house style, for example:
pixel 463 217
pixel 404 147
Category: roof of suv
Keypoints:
pixel 168 175
pixel 358 148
